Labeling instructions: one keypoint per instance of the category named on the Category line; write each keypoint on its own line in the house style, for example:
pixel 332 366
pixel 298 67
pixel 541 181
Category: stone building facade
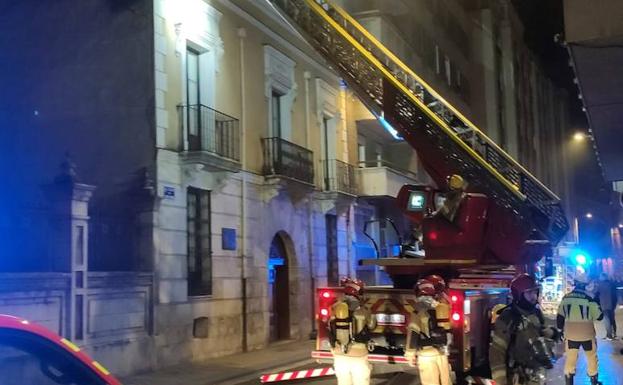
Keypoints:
pixel 231 172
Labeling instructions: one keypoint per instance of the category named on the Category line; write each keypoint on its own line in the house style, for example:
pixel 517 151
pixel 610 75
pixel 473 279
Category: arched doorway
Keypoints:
pixel 278 290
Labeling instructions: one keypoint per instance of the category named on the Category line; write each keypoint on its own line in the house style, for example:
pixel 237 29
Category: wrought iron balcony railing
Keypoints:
pixel 211 131
pixel 282 158
pixel 339 176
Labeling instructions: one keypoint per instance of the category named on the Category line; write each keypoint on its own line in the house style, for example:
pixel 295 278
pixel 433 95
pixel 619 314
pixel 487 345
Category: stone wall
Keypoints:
pixel 119 313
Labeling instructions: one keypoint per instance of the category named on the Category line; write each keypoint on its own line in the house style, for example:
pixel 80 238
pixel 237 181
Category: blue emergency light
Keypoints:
pixel 580 258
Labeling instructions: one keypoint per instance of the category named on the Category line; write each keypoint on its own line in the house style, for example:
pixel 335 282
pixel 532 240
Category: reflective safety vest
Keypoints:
pixel 577 312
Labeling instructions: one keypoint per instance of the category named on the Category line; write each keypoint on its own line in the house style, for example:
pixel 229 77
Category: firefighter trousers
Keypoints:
pixel 433 367
pixel 572 348
pixel 352 370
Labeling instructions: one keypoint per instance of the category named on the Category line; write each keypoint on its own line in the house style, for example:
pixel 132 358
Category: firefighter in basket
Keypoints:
pixel 427 341
pixel 454 197
pixel 521 345
pixel 350 326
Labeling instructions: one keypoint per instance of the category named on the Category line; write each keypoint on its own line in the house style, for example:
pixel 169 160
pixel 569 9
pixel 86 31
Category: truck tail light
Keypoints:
pixel 456 306
pixel 326 298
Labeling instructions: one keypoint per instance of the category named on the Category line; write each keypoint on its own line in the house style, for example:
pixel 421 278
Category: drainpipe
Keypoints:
pixel 242 33
pixel 310 217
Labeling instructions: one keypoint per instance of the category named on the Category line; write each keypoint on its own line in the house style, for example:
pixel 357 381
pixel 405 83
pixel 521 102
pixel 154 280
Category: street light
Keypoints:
pixel 579 136
pixel 589 215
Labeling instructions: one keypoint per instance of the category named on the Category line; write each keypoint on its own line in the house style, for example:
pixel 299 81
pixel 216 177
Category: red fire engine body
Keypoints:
pixel 392 309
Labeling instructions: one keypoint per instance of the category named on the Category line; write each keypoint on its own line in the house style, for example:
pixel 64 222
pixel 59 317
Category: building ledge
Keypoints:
pixel 210 161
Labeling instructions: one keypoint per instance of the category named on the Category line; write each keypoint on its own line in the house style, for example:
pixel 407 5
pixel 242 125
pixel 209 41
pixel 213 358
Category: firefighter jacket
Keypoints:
pixel 518 343
pixel 350 326
pixel 450 207
pixel 424 330
pixel 576 313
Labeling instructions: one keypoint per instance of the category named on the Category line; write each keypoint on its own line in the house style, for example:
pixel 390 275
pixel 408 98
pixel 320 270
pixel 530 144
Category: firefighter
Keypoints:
pixel 576 313
pixel 351 324
pixel 442 310
pixel 521 345
pixel 454 197
pixel 426 341
pixel 442 315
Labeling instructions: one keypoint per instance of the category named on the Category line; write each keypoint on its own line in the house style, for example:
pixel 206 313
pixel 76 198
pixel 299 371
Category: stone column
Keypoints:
pixel 69 204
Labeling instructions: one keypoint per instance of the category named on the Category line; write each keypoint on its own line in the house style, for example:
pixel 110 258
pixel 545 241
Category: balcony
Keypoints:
pixel 287 160
pixel 211 137
pixel 381 178
pixel 339 177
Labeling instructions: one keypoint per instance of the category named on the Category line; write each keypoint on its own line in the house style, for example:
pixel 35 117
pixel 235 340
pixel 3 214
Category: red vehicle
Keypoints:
pixel 473 294
pixel 32 355
pixel 506 219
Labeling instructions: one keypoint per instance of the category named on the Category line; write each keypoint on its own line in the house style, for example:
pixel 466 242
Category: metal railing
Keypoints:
pixel 282 158
pixel 389 88
pixel 339 176
pixel 388 164
pixel 210 130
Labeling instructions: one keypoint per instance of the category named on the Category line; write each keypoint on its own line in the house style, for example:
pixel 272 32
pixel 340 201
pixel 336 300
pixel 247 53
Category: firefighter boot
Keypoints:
pixel 594 380
pixel 569 379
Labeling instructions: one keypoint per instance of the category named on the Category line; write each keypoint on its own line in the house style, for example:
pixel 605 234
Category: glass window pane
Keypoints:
pixel 28 359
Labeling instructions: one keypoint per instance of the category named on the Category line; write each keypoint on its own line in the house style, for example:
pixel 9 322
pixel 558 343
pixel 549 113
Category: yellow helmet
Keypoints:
pixel 456 182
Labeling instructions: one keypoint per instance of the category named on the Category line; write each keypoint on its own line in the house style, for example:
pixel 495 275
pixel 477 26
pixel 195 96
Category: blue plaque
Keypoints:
pixel 228 239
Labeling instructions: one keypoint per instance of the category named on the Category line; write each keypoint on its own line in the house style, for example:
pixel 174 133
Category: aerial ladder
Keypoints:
pixel 524 219
pixel 508 219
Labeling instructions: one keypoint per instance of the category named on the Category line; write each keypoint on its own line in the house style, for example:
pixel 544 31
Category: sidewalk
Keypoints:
pixel 230 369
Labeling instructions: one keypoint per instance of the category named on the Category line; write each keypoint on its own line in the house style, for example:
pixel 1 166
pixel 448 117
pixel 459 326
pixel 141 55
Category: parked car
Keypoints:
pixel 33 355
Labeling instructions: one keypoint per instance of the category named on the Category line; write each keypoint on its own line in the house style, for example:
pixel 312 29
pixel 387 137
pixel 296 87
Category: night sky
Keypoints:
pixel 543 19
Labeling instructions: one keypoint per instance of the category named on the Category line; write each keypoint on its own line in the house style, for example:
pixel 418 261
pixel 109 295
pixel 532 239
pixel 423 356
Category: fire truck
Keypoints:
pixel 507 220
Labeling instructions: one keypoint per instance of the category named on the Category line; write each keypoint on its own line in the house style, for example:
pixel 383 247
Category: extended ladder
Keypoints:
pixel 446 141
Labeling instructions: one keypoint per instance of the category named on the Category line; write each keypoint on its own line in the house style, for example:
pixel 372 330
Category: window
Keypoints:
pixel 448 70
pixel 29 359
pixel 327 171
pixel 378 150
pixel 361 151
pixel 193 99
pixel 332 254
pixel 199 242
pixel 437 60
pixel 276 114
